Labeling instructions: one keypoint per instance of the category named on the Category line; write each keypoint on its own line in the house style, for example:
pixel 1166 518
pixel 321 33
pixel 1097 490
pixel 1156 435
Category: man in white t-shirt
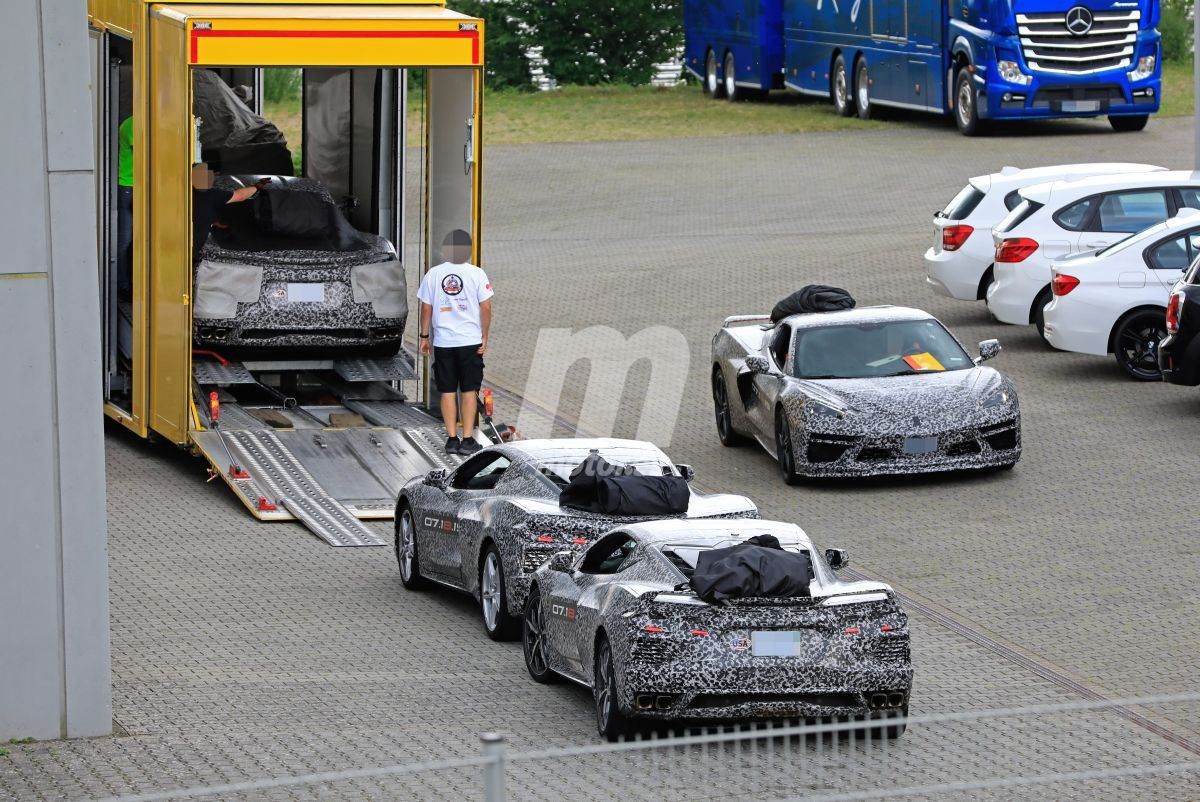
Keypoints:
pixel 456 311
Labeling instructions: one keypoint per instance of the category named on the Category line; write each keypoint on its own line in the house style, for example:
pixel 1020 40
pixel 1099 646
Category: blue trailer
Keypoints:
pixel 979 60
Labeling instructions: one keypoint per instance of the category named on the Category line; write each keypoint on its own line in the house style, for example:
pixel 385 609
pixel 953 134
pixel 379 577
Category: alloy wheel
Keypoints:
pixel 721 403
pixel 1137 347
pixel 489 590
pixel 535 646
pixel 404 545
pixel 604 700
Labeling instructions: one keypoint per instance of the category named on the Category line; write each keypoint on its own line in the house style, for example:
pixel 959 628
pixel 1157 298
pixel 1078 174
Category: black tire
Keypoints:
pixel 1135 344
pixel 862 90
pixel 985 281
pixel 610 721
pixel 498 623
pixel 712 82
pixel 1129 122
pixel 783 449
pixel 729 76
pixel 725 432
pixel 839 88
pixel 407 559
pixel 533 644
pixel 966 106
pixel 1037 315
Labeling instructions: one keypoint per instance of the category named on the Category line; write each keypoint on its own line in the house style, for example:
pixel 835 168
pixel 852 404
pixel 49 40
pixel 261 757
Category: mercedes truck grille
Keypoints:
pixel 1078 42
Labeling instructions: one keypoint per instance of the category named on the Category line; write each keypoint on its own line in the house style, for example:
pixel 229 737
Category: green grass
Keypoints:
pixel 616 113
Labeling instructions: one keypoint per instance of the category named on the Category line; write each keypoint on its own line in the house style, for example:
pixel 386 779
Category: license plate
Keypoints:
pixel 793 643
pixel 920 445
pixel 1081 105
pixel 306 293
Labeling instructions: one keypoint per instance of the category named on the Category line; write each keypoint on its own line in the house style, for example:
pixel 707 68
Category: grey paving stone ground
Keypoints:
pixel 244 651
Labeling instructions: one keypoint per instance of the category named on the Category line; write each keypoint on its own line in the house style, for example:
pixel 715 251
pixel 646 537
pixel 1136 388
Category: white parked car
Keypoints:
pixel 959 265
pixel 1064 217
pixel 1115 300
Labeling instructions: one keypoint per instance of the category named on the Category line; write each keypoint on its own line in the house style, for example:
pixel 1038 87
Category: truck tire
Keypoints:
pixel 862 90
pixel 712 81
pixel 1129 122
pixel 732 93
pixel 966 107
pixel 839 88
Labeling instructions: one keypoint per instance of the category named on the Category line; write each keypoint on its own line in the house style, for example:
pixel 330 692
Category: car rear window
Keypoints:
pixel 1074 216
pixel 965 202
pixel 1012 199
pixel 1018 215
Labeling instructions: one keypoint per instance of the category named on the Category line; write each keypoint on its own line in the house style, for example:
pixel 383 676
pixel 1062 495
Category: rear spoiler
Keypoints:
pixel 735 320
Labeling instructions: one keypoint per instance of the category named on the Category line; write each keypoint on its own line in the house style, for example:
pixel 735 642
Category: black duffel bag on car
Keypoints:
pixel 757 568
pixel 304 215
pixel 597 485
pixel 812 298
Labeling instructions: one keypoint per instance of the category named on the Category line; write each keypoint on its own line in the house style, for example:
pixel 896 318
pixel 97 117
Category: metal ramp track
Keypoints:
pixel 396 368
pixel 280 473
pixel 206 371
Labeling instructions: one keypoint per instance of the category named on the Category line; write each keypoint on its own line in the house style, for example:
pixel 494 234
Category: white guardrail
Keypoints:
pixel 1102 749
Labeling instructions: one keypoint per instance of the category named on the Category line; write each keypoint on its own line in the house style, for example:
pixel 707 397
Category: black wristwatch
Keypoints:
pixel 423 336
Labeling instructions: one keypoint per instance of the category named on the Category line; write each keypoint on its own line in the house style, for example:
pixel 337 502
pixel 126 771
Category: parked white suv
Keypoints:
pixel 1115 300
pixel 1064 217
pixel 959 265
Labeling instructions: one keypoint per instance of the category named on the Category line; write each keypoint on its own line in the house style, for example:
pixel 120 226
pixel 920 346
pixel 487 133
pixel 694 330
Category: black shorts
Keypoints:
pixel 459 368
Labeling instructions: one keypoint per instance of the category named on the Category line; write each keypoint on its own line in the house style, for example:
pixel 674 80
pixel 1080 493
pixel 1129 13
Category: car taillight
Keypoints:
pixel 1174 312
pixel 1062 284
pixel 954 236
pixel 1015 250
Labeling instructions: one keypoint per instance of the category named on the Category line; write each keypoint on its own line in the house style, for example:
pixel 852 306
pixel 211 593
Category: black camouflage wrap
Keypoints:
pixel 855 659
pixel 273 322
pixel 880 412
pixel 521 515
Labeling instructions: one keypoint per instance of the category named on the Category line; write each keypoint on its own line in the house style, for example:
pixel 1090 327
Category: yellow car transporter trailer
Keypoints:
pixel 297 465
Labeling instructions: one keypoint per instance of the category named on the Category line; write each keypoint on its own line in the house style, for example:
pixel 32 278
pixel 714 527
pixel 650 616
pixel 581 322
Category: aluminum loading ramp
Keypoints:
pixel 287 463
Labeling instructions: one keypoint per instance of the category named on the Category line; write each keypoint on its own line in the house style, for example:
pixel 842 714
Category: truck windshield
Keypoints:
pixel 873 350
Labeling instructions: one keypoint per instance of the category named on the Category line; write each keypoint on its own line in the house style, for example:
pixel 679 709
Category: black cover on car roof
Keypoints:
pixel 812 298
pixel 597 485
pixel 756 568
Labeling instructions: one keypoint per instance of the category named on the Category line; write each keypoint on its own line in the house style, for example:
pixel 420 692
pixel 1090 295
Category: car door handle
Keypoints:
pixel 1094 245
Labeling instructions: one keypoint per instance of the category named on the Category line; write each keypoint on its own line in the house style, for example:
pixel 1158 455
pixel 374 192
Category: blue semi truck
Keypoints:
pixel 978 60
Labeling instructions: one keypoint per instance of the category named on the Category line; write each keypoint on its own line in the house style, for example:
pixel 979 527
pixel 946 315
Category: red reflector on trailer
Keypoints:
pixel 237 472
pixel 265 506
pixel 214 406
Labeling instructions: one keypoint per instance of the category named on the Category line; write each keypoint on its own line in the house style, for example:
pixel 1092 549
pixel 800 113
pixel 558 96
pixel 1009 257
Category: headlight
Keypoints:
pixel 1000 398
pixel 1144 68
pixel 819 410
pixel 1011 72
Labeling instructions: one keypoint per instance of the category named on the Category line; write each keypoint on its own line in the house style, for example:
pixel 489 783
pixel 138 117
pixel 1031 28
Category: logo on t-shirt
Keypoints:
pixel 452 284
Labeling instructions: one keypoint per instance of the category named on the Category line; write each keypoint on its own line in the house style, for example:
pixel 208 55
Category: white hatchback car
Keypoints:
pixel 1115 300
pixel 959 265
pixel 1064 217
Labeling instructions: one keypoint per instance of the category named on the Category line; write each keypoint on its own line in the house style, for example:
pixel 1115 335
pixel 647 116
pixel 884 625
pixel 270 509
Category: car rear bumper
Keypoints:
pixel 1011 296
pixel 1077 327
pixel 955 274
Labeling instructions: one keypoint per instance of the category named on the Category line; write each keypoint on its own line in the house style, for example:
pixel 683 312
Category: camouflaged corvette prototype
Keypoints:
pixel 486 527
pixel 623 619
pixel 873 390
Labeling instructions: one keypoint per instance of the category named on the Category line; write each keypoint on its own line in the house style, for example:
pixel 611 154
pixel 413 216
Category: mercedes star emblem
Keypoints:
pixel 1079 21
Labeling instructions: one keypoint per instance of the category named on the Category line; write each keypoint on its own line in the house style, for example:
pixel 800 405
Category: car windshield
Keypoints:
pixel 1020 213
pixel 558 471
pixel 873 350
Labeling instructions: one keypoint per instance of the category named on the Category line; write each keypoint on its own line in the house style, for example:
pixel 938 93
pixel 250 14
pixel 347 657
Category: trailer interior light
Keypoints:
pixel 1062 284
pixel 1144 69
pixel 214 407
pixel 1174 312
pixel 1017 249
pixel 1010 71
pixel 954 236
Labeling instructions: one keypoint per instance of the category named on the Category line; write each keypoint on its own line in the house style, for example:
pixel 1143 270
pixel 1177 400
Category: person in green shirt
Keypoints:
pixel 125 210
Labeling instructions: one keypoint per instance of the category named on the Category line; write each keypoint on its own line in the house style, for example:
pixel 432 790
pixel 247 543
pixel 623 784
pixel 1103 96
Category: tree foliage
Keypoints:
pixel 1176 29
pixel 603 41
pixel 505 63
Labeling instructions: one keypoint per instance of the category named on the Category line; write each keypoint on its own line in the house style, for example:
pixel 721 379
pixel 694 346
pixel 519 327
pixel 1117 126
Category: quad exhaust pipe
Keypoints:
pixel 654 701
pixel 881 700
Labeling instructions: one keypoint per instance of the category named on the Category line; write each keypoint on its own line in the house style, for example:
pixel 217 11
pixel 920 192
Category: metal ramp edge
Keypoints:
pixel 278 472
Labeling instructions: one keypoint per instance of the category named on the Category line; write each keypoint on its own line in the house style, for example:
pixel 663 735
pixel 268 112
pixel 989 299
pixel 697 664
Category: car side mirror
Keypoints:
pixel 836 558
pixel 436 478
pixel 562 561
pixel 687 472
pixel 987 350
pixel 758 364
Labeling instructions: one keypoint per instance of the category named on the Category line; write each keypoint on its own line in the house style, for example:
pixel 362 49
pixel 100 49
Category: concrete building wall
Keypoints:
pixel 54 633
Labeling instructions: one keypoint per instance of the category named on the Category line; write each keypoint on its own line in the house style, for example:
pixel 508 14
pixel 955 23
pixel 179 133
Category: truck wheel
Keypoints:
pixel 862 90
pixel 1129 122
pixel 731 88
pixel 966 109
pixel 712 82
pixel 840 91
